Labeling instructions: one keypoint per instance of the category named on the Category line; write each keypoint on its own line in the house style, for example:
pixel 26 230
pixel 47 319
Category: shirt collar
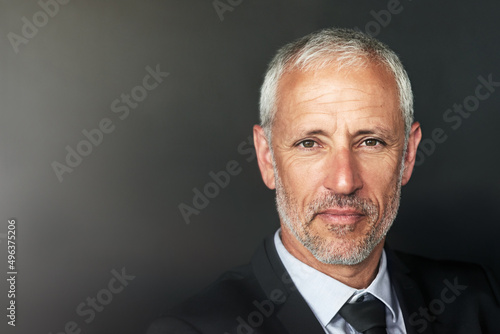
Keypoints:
pixel 324 294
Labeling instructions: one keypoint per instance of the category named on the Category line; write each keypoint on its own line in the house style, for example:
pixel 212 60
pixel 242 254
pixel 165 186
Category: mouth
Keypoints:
pixel 344 216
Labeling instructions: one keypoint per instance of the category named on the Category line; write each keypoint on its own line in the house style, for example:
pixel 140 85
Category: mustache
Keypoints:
pixel 334 201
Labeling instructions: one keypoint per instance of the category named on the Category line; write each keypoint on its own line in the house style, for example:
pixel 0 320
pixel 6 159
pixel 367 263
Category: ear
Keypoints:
pixel 264 156
pixel 411 151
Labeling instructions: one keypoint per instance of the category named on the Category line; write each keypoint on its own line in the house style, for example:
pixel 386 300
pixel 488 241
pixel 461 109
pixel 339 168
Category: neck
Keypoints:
pixel 358 276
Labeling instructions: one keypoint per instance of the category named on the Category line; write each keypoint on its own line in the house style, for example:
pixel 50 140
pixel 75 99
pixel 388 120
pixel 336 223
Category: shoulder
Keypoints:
pixel 170 325
pixel 458 276
pixel 231 290
pixel 216 307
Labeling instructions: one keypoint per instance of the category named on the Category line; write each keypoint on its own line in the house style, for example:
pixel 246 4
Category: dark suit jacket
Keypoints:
pixel 435 297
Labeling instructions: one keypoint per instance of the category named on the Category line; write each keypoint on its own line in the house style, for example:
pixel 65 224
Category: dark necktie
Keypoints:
pixel 367 317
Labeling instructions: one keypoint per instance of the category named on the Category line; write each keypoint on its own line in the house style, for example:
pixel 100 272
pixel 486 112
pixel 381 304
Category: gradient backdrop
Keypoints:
pixel 67 69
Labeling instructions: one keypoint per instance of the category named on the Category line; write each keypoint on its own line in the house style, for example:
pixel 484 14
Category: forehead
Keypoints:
pixel 368 92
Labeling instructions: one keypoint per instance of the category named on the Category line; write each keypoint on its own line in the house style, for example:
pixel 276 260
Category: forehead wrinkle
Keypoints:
pixel 363 91
pixel 337 95
pixel 317 97
pixel 336 102
pixel 367 107
pixel 339 112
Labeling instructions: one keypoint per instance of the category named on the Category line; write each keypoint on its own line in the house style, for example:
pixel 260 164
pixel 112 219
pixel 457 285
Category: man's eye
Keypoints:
pixel 372 142
pixel 307 143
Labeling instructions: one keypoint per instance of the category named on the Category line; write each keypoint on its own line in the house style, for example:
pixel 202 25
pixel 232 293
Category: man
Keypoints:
pixel 337 141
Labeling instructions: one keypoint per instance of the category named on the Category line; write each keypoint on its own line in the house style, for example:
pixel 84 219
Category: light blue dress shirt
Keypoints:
pixel 325 295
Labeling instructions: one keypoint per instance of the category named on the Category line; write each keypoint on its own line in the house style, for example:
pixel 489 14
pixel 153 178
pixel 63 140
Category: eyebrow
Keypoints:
pixel 387 133
pixel 316 132
pixel 370 131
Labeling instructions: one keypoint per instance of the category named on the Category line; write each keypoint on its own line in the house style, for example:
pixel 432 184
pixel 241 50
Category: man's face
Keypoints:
pixel 337 144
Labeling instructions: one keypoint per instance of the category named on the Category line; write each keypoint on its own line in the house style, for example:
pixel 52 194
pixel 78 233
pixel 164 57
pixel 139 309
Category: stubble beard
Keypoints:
pixel 343 249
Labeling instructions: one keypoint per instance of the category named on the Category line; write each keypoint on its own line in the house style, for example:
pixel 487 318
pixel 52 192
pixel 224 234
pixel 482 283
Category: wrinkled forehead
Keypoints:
pixel 370 87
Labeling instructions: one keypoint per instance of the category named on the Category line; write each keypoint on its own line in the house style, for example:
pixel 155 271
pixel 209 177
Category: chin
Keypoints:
pixel 341 250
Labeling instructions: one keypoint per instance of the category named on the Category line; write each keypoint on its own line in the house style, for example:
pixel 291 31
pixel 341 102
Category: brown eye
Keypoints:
pixel 371 142
pixel 307 143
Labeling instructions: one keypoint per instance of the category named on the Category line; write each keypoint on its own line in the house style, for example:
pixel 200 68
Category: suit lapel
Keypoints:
pixel 409 295
pixel 293 313
pixel 296 317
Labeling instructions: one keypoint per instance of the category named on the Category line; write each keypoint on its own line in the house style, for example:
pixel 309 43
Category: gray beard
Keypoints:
pixel 344 251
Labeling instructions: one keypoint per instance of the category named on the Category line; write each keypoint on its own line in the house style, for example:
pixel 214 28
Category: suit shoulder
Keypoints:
pixel 170 325
pixel 425 266
pixel 219 304
pixel 421 263
pixel 479 279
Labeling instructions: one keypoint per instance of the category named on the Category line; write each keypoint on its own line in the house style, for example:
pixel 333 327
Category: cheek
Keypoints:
pixel 379 176
pixel 301 178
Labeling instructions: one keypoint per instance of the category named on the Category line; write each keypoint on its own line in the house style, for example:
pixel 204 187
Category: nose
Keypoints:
pixel 342 174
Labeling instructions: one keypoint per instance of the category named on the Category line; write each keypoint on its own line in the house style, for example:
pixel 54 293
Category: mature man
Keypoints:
pixel 337 141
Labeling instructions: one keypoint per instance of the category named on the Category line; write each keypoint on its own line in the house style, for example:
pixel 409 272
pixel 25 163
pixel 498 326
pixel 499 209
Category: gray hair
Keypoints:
pixel 344 47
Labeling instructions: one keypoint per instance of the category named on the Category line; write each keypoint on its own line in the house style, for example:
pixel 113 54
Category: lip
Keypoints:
pixel 341 216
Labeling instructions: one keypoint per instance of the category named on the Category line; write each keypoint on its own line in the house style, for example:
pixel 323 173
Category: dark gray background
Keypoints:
pixel 119 207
